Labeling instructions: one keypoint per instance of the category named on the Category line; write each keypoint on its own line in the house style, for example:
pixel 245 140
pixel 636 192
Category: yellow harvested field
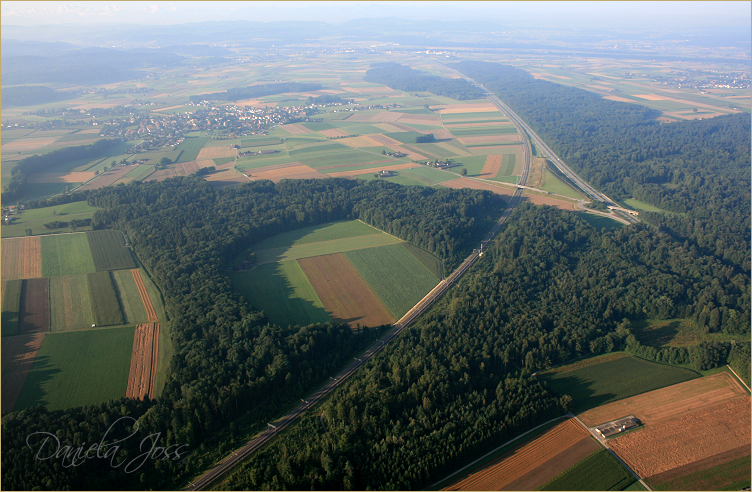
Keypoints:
pixel 28 144
pixel 21 257
pixel 389 127
pixel 256 103
pixel 358 142
pixel 91 130
pixel 651 97
pixel 107 178
pixel 490 139
pixel 600 87
pixel 454 150
pixel 420 119
pixel 292 170
pixel 71 177
pixel 495 149
pixel 439 133
pixel 333 132
pixel 384 140
pixel 216 152
pixel 492 166
pixel 549 200
pixel 357 172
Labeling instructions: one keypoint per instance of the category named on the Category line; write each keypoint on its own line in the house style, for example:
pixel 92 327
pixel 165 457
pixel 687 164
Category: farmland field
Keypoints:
pixel 143 367
pixel 11 308
pixel 706 475
pixel 70 303
pixel 105 306
pixel 393 273
pixel 599 471
pixel 18 355
pixel 614 379
pixel 324 247
pixel 535 462
pixel 129 297
pixel 108 250
pixel 190 147
pixel 428 260
pixel 79 368
pixel 35 218
pixel 343 292
pixel 35 309
pixel 283 292
pixel 66 254
pixel 21 258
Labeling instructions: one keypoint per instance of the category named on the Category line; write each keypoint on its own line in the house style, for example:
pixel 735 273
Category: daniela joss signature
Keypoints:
pixel 48 447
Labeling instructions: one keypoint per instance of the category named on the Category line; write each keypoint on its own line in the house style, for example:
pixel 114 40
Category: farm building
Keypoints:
pixel 617 426
pixel 385 174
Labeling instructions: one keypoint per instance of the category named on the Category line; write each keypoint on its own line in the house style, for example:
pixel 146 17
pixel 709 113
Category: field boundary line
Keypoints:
pixel 737 377
pixel 372 227
pixel 569 415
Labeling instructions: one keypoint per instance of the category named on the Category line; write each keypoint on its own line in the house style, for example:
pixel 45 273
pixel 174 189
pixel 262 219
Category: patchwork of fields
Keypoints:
pixel 344 271
pixel 55 289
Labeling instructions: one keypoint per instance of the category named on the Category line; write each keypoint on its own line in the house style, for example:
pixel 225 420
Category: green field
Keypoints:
pixel 318 148
pixel 395 275
pixel 615 379
pixel 190 147
pixel 129 297
pixel 35 218
pixel 324 247
pixel 637 204
pixel 599 471
pixel 105 306
pixel 137 174
pixel 11 308
pixel 283 292
pixel 599 221
pixel 66 254
pixel 428 260
pixel 733 475
pixel 70 303
pixel 404 137
pixel 555 185
pixel 483 131
pixel 427 176
pixel 259 141
pixel 109 251
pixel 154 294
pixel 314 234
pixel 79 368
pixel 337 158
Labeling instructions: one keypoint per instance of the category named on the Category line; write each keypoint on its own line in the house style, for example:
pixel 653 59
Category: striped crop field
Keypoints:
pixel 104 300
pixel 395 275
pixel 129 297
pixel 21 258
pixel 11 308
pixel 190 147
pixel 109 251
pixel 35 309
pixel 79 368
pixel 66 254
pixel 70 303
pixel 324 247
pixel 599 471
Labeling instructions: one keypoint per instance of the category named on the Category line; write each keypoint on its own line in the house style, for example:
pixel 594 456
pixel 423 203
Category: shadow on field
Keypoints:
pixel 583 395
pixel 33 392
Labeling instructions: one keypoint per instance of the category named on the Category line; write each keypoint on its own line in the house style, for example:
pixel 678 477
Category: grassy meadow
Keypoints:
pixel 599 471
pixel 66 254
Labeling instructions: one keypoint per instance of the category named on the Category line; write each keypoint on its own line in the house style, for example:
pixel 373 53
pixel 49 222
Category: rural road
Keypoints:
pixel 239 455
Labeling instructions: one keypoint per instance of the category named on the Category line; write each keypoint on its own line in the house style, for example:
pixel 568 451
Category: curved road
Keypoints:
pixel 239 455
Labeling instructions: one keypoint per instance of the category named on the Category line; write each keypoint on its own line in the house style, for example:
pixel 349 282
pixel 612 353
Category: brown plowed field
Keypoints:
pixel 71 177
pixel 492 166
pixel 35 308
pixel 22 257
pixel 217 152
pixel 225 175
pixel 148 306
pixel 687 439
pixel 299 171
pixel 18 355
pixel 357 172
pixel 473 184
pixel 678 400
pixel 143 361
pixel 534 463
pixel 107 178
pixel 343 292
pixel 185 168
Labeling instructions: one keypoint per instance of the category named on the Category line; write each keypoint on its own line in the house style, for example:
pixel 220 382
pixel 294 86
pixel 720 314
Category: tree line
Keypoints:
pixel 698 171
pixel 406 79
pixel 229 361
pixel 459 381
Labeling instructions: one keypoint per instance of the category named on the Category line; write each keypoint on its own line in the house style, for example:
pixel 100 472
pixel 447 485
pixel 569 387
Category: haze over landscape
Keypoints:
pixel 375 245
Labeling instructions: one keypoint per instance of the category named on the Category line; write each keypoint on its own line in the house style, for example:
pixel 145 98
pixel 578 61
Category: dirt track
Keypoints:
pixel 143 361
pixel 152 315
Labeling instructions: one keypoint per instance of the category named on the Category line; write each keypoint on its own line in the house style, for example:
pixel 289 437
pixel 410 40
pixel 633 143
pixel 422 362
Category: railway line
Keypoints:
pixel 280 424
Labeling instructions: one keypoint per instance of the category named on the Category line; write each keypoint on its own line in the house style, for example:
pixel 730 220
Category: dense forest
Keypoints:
pixel 550 288
pixel 17 185
pixel 249 92
pixel 229 361
pixel 406 79
pixel 31 95
pixel 697 171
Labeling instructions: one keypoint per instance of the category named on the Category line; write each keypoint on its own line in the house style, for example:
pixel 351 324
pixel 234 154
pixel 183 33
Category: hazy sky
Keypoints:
pixel 672 14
